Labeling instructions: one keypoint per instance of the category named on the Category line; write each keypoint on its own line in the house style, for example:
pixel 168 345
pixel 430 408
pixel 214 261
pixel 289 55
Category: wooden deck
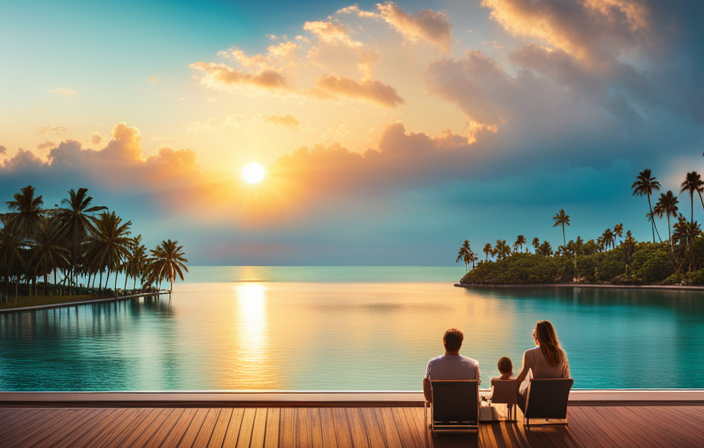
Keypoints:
pixel 329 427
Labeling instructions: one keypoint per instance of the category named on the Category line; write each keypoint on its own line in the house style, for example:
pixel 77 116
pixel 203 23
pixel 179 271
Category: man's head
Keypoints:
pixel 453 340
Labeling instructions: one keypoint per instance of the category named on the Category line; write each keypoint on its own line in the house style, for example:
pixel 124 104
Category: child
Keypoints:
pixel 505 368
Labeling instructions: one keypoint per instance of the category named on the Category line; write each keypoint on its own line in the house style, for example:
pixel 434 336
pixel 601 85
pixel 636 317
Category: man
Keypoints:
pixel 452 365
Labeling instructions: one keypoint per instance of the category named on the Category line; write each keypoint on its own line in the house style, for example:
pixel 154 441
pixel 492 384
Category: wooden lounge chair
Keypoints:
pixel 546 399
pixel 505 392
pixel 455 406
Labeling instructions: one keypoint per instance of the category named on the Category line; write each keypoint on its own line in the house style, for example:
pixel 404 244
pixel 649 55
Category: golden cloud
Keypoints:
pixel 428 25
pixel 220 76
pixel 368 90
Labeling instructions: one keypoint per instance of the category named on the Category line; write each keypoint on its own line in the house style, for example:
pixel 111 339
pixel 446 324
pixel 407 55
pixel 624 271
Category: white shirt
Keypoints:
pixel 453 367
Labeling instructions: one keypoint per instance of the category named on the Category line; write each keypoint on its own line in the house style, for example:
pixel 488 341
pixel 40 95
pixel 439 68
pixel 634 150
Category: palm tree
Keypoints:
pixel 76 221
pixel 134 266
pixel 608 238
pixel 11 246
pixel 618 231
pixel 536 244
pixel 465 254
pixel 168 260
pixel 487 250
pixel 110 243
pixel 629 247
pixel 502 249
pixel 667 205
pixel 693 182
pixel 27 214
pixel 48 254
pixel 520 242
pixel 561 219
pixel 646 185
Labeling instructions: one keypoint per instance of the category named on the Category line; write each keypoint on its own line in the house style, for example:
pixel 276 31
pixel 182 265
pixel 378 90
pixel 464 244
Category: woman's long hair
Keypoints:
pixel 549 345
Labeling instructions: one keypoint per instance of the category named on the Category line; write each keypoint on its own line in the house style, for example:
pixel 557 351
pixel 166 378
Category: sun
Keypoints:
pixel 253 173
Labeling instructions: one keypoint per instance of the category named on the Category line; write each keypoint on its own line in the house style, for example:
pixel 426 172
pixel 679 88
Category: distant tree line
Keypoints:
pixel 610 258
pixel 78 244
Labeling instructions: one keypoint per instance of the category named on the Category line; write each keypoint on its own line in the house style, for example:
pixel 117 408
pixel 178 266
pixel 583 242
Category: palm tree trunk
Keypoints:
pixel 100 283
pixel 564 240
pixel 116 271
pixel 691 203
pixel 107 279
pixel 669 232
pixel 652 219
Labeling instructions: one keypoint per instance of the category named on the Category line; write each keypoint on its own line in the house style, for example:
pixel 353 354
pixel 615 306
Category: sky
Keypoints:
pixel 390 132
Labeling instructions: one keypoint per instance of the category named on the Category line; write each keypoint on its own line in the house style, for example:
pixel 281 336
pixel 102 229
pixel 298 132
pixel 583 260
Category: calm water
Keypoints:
pixel 335 328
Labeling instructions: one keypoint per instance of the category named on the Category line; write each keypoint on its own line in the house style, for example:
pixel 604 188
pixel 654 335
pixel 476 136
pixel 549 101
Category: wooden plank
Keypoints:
pixel 233 429
pixel 271 439
pixel 58 428
pixel 287 436
pixel 342 428
pixel 131 432
pixel 586 434
pixel 130 418
pixel 194 428
pixel 246 428
pixel 161 433
pixel 16 417
pixel 152 429
pixel 220 429
pixel 259 429
pixel 327 427
pixel 206 429
pixel 405 432
pixel 374 432
pixel 30 425
pixel 86 435
pixel 357 429
pixel 302 422
pixel 20 418
pixel 614 435
pixel 316 428
pixel 179 428
pixel 388 428
pixel 413 427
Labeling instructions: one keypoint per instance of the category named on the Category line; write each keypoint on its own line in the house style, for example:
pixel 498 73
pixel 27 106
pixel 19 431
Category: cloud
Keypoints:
pixel 96 138
pixel 56 130
pixel 278 57
pixel 586 29
pixel 46 145
pixel 222 77
pixel 3 150
pixel 332 33
pixel 63 91
pixel 282 120
pixel 154 79
pixel 428 25
pixel 369 90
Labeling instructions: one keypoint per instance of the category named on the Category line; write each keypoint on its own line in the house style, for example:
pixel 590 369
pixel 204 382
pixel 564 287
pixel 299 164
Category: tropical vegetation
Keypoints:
pixel 610 258
pixel 65 250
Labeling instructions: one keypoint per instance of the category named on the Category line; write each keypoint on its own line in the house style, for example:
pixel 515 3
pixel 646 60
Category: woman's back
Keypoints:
pixel 540 368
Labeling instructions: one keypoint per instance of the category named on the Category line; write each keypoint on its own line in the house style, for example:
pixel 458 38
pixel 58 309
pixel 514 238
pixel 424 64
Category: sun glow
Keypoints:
pixel 253 173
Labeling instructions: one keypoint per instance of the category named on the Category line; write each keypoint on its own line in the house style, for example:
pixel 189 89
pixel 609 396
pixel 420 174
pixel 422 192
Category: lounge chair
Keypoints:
pixel 546 399
pixel 455 406
pixel 505 392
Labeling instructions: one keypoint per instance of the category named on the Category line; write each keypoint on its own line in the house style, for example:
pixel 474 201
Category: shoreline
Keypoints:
pixel 82 302
pixel 575 285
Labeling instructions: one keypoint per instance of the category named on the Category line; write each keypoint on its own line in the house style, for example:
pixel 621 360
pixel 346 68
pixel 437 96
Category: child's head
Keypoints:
pixel 505 365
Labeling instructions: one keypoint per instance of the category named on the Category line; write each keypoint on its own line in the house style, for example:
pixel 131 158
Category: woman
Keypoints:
pixel 546 360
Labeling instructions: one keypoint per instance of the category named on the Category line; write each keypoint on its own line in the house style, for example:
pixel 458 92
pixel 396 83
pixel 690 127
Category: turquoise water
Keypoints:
pixel 337 328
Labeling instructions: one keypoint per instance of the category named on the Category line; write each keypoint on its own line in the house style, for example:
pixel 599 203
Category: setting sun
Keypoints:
pixel 253 173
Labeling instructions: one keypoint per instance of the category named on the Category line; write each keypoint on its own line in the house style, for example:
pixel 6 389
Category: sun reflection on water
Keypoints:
pixel 252 368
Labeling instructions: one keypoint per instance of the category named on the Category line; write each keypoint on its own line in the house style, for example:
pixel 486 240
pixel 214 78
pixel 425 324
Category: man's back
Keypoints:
pixel 452 367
